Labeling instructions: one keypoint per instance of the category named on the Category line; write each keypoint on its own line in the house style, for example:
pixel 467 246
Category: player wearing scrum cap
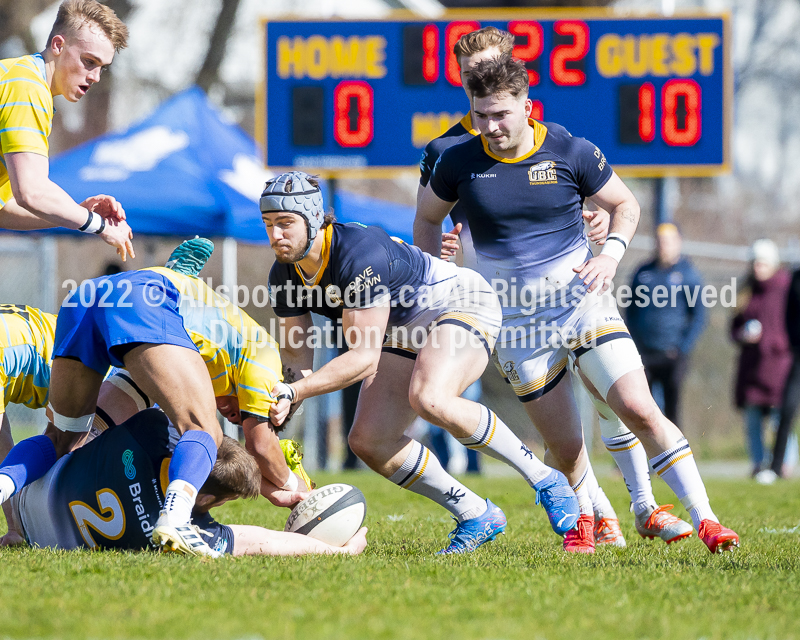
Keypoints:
pixel 532 235
pixel 651 520
pixel 420 331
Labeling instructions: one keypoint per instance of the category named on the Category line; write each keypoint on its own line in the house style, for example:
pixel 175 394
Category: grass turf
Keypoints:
pixel 521 586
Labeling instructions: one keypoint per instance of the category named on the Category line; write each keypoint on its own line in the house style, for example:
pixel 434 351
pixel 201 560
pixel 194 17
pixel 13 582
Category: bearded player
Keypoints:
pixel 419 331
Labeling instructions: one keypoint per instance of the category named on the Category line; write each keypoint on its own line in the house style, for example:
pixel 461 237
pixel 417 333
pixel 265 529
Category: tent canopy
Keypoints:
pixel 184 171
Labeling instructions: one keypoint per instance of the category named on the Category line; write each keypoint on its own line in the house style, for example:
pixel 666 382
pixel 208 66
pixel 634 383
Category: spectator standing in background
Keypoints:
pixel 759 326
pixel 791 392
pixel 665 331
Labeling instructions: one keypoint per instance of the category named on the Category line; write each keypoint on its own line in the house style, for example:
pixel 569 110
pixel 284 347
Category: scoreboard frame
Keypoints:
pixel 498 14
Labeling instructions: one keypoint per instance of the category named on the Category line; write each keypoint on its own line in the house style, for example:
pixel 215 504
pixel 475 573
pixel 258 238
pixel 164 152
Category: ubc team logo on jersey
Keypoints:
pixel 332 295
pixel 543 173
pixel 511 372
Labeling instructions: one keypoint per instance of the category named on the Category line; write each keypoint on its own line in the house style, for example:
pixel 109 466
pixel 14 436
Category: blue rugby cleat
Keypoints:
pixel 190 256
pixel 472 533
pixel 555 494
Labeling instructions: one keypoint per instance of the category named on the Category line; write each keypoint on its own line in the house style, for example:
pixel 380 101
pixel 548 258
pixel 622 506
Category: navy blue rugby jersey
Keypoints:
pixel 362 267
pixel 108 494
pixel 525 213
pixel 458 133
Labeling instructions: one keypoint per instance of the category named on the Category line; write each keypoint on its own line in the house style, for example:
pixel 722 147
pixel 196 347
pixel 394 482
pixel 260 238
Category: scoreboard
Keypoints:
pixel 365 97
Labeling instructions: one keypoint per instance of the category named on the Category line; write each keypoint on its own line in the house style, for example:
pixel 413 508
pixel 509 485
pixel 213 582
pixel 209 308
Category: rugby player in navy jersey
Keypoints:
pixel 522 184
pixel 108 494
pixel 651 520
pixel 419 332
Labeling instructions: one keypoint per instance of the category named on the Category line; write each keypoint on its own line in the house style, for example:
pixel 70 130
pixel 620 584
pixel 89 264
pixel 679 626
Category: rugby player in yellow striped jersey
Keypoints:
pixel 26 351
pixel 82 43
pixel 244 363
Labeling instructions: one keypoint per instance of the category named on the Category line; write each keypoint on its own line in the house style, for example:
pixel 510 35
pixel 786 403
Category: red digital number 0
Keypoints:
pixel 452 33
pixel 533 49
pixel 564 53
pixel 690 133
pixel 349 95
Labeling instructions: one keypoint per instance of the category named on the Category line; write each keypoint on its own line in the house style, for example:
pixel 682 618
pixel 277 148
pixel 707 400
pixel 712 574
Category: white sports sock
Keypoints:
pixel 179 501
pixel 602 505
pixel 495 439
pixel 581 489
pixel 678 469
pixel 630 456
pixel 423 474
pixel 7 487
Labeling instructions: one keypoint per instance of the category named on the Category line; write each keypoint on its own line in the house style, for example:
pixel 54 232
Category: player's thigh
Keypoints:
pixel 73 388
pixel 555 416
pixel 449 362
pixel 175 378
pixel 383 412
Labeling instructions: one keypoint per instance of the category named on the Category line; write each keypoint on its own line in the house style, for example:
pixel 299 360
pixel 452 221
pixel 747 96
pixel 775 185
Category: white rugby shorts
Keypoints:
pixel 458 296
pixel 533 348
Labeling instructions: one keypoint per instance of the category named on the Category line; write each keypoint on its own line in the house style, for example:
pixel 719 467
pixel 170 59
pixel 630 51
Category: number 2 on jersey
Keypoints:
pixel 109 523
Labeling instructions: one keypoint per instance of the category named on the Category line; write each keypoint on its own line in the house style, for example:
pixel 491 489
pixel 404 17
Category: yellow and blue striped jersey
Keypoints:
pixel 26 354
pixel 242 358
pixel 26 112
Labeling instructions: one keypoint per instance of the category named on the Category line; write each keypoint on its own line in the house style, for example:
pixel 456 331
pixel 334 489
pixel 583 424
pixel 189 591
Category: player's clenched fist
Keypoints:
pixel 450 242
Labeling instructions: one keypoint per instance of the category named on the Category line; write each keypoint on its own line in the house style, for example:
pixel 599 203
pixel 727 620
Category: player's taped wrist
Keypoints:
pixel 283 390
pixel 95 223
pixel 292 483
pixel 615 246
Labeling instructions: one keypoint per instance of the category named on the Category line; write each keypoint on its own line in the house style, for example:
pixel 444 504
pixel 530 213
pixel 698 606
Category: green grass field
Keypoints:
pixel 521 586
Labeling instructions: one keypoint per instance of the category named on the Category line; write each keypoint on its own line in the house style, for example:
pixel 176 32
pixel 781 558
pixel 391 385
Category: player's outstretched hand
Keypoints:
pixel 599 222
pixel 106 206
pixel 597 272
pixel 450 242
pixel 281 497
pixel 357 543
pixel 120 236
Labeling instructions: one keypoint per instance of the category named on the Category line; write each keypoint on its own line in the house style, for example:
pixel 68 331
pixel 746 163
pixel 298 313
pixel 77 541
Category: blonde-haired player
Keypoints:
pixel 82 43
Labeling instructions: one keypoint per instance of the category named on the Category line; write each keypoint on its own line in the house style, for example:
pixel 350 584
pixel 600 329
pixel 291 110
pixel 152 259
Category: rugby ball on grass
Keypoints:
pixel 332 514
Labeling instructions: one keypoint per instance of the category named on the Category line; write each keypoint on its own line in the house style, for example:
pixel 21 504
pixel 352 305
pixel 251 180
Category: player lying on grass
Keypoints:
pixel 419 331
pixel 172 334
pixel 528 231
pixel 651 520
pixel 108 494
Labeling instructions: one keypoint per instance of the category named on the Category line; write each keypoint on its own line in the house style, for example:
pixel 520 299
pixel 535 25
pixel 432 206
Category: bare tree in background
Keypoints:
pixel 209 71
pixel 772 61
pixel 15 21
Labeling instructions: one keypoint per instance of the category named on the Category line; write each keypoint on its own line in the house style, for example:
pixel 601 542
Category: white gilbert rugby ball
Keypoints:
pixel 331 514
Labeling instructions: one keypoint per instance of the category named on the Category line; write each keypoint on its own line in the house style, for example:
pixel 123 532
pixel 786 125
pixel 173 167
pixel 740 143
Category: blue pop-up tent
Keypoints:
pixel 185 171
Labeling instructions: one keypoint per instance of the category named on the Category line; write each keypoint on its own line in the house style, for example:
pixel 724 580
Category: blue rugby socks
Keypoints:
pixel 192 461
pixel 28 461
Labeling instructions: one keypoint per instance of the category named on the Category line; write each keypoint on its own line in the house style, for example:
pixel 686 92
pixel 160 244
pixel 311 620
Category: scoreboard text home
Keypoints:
pixel 652 92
